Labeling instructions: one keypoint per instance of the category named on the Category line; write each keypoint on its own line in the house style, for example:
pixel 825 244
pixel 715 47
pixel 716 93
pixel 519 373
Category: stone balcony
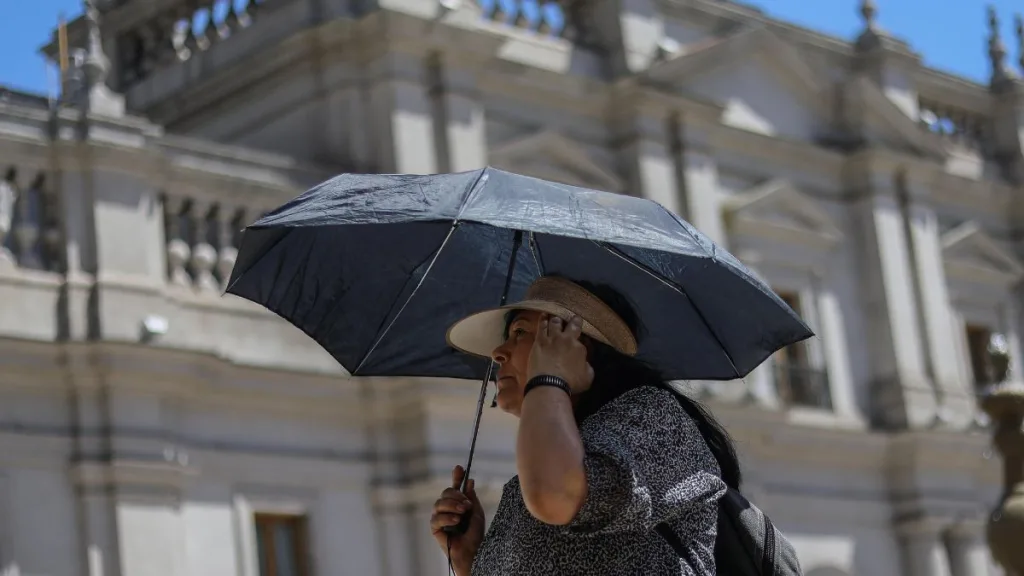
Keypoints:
pixel 124 234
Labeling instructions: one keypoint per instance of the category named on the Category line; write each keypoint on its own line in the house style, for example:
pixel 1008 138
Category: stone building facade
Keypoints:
pixel 151 427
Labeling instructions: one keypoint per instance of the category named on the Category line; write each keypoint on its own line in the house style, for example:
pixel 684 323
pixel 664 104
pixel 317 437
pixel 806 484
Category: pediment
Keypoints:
pixel 761 81
pixel 969 253
pixel 880 119
pixel 778 210
pixel 554 157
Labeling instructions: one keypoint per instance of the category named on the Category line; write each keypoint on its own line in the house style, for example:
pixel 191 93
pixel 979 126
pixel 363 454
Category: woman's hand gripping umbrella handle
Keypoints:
pixel 463 525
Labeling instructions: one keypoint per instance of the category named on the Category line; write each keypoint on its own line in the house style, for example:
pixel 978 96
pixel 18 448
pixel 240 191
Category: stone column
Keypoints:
pixel 402 115
pixel 759 385
pixel 922 548
pixel 935 310
pixel 699 169
pixel 1012 314
pixel 459 114
pixel 968 554
pixel 901 390
pixel 648 155
pixel 837 360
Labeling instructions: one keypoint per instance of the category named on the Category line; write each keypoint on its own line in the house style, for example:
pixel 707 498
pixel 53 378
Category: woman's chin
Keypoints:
pixel 508 403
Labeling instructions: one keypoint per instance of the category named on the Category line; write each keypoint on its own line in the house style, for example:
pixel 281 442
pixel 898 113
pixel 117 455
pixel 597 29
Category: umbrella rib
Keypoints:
pixel 391 324
pixel 677 288
pixel 535 251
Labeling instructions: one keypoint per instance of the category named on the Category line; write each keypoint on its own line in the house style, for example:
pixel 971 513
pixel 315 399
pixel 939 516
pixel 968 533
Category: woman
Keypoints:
pixel 605 450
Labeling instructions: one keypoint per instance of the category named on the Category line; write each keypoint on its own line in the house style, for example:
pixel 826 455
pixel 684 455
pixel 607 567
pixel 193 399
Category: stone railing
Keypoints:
pixel 30 234
pixel 202 241
pixel 957 125
pixel 542 17
pixel 180 34
pixel 218 191
pixel 802 386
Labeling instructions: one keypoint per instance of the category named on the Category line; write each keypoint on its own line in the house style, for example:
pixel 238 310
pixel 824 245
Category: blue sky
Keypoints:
pixel 951 37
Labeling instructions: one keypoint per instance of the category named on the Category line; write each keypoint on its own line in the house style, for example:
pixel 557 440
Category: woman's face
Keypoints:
pixel 513 357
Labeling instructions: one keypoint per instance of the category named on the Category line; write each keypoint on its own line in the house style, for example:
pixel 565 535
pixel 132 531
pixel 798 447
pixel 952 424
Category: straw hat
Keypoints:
pixel 480 333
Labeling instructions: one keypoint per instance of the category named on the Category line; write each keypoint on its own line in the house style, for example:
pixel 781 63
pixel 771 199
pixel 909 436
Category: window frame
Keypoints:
pixel 264 540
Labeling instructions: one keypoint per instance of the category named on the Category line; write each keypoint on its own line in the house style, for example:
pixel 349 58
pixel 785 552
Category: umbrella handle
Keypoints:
pixel 460 528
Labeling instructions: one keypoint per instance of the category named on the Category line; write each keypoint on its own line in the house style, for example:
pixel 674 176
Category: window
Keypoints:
pixel 281 545
pixel 990 361
pixel 797 381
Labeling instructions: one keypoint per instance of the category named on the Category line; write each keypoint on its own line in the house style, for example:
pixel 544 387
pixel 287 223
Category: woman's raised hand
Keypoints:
pixel 558 351
pixel 448 511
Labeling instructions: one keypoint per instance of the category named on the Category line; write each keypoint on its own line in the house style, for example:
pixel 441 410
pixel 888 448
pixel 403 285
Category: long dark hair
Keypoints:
pixel 616 373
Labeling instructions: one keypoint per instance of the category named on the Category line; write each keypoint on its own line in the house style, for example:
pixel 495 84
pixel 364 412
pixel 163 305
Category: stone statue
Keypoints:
pixel 1005 405
pixel 8 196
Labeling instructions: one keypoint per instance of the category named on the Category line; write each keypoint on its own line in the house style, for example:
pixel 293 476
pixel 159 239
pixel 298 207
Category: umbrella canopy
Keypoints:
pixel 375 268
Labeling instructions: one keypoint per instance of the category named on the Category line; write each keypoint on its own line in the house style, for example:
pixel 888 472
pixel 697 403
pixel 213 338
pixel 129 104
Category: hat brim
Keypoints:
pixel 480 333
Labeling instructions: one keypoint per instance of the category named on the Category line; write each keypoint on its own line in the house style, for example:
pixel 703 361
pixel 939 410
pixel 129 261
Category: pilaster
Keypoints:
pixel 128 479
pixel 935 309
pixel 458 115
pixel 835 350
pixel 699 173
pixel 922 547
pixel 968 552
pixel 403 114
pixel 901 389
pixel 647 152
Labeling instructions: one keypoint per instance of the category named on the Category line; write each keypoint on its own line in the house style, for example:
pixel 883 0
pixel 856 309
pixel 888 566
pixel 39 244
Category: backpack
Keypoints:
pixel 748 544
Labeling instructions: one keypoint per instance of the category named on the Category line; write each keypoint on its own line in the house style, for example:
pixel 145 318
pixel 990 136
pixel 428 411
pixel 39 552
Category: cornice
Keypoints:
pixel 776 155
pixel 194 376
pixel 124 473
pixel 944 88
pixel 966 93
pixel 580 96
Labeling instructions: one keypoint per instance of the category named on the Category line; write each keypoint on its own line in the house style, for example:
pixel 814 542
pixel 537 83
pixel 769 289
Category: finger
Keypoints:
pixel 453 493
pixel 543 325
pixel 441 521
pixel 557 325
pixel 575 326
pixel 452 506
pixel 457 474
pixel 471 491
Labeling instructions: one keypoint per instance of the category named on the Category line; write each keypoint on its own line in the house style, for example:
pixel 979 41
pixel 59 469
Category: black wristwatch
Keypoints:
pixel 547 380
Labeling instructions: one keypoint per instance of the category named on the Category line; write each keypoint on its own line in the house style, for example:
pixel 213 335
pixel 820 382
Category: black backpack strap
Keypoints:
pixel 768 559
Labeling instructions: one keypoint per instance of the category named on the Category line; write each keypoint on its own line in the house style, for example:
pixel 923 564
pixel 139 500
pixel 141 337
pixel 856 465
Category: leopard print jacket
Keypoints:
pixel 646 463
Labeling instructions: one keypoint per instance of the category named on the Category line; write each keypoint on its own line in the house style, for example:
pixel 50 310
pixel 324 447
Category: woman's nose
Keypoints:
pixel 499 354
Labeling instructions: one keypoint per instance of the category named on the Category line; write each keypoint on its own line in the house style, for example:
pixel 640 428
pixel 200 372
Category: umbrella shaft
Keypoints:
pixel 476 422
pixel 517 241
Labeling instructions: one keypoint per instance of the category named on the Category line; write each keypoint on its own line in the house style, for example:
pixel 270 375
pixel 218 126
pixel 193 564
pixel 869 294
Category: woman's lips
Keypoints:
pixel 504 379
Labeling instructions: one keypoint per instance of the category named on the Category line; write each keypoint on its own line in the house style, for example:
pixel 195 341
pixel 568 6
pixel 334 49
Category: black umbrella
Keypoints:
pixel 375 268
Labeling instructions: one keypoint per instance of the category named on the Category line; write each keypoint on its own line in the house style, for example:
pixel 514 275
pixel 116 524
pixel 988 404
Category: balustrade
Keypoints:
pixel 542 17
pixel 30 234
pixel 192 27
pixel 801 385
pixel 202 241
pixel 960 126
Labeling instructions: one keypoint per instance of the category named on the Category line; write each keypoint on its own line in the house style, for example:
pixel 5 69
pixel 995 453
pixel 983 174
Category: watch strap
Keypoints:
pixel 547 380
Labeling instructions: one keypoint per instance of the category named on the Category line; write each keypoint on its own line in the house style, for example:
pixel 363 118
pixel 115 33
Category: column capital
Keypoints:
pixel 922 527
pixel 968 530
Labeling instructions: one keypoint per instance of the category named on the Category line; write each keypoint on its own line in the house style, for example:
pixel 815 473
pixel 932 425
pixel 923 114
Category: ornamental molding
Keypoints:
pixel 551 156
pixel 776 212
pixel 971 256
